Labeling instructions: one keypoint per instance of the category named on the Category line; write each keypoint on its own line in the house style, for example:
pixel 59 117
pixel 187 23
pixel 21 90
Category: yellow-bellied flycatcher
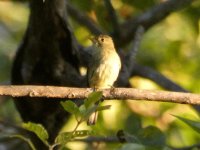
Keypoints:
pixel 104 66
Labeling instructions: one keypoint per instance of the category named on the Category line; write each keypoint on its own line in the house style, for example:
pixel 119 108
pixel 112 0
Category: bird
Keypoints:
pixel 104 67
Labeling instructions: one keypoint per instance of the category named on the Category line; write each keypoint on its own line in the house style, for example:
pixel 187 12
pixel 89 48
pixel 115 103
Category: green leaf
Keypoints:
pixel 64 137
pixel 89 105
pixel 195 125
pixel 93 98
pixel 82 133
pixel 82 109
pixel 24 139
pixel 152 137
pixel 101 108
pixel 85 113
pixel 71 107
pixel 133 124
pixel 38 129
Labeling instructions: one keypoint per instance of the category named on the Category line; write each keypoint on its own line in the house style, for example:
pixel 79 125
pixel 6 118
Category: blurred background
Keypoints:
pixel 172 47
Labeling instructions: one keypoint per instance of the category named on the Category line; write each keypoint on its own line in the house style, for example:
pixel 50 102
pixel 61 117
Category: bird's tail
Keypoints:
pixel 92 119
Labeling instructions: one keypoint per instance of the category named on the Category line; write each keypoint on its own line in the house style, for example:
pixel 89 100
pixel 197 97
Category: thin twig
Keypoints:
pixel 76 127
pixel 108 94
pixel 150 18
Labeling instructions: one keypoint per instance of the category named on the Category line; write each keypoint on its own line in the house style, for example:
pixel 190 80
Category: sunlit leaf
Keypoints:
pixel 89 105
pixel 101 108
pixel 82 109
pixel 63 137
pixel 82 133
pixel 71 107
pixel 93 98
pixel 195 125
pixel 85 113
pixel 38 129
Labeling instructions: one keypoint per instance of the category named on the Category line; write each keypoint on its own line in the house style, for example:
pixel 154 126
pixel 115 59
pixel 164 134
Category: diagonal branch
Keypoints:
pixel 150 17
pixel 157 77
pixel 83 19
pixel 108 94
pixel 131 55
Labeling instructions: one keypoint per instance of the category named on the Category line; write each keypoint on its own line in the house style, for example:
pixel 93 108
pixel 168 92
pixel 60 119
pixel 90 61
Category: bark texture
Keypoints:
pixel 47 56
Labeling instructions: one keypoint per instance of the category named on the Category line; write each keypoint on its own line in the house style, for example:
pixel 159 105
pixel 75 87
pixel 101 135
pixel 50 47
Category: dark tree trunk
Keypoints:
pixel 47 56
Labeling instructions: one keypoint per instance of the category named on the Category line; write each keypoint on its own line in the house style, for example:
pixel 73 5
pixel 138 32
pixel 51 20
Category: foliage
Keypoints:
pixel 195 125
pixel 24 139
pixel 171 47
pixel 149 138
pixel 38 129
pixel 81 113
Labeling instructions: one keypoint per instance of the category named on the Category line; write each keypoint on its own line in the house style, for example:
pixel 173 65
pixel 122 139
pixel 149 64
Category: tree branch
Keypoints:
pixel 83 19
pixel 150 17
pixel 113 93
pixel 156 77
pixel 131 55
pixel 115 139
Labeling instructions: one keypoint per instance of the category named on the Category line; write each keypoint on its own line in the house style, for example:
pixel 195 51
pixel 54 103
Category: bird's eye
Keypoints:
pixel 102 39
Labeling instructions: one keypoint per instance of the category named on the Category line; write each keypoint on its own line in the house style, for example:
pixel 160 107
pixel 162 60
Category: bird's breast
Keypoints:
pixel 105 70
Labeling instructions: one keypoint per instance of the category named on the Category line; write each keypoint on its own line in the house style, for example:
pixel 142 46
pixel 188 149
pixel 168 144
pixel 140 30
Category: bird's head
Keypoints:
pixel 102 41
